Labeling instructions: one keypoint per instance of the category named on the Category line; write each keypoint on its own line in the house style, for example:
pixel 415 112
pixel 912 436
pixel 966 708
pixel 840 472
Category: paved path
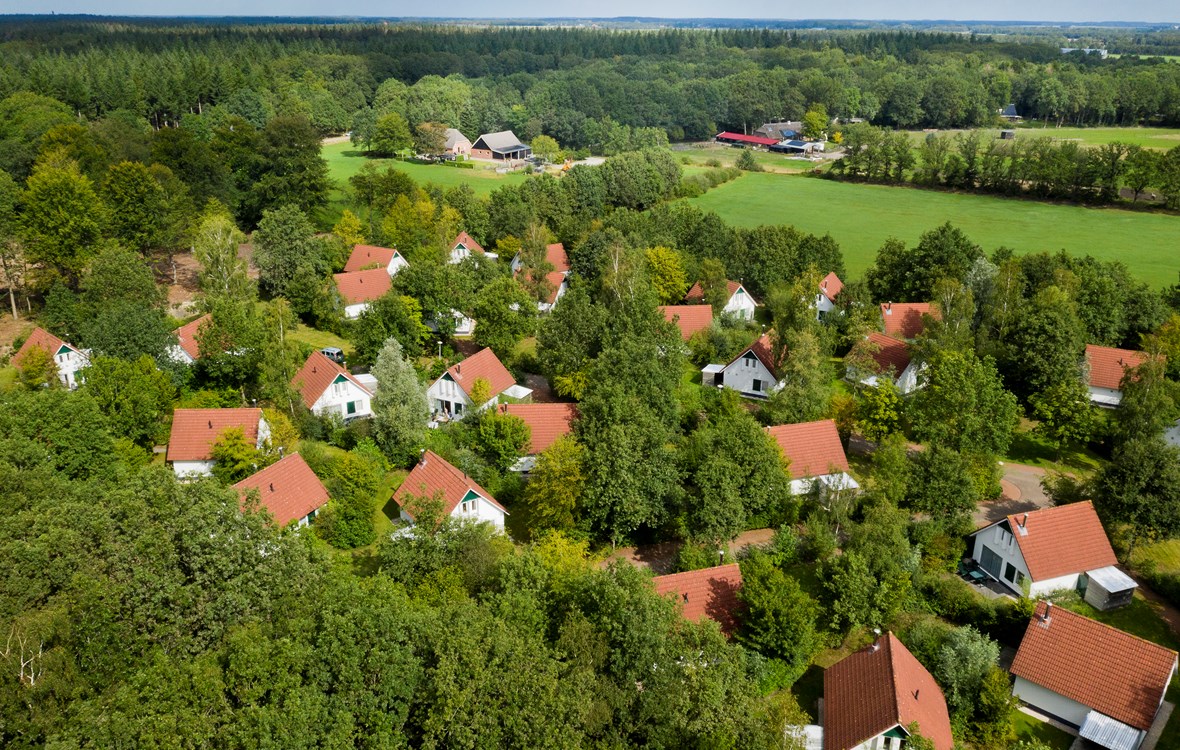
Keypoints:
pixel 661 558
pixel 1022 492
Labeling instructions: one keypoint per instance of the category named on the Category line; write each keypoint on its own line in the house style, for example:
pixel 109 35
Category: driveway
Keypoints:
pixel 1022 492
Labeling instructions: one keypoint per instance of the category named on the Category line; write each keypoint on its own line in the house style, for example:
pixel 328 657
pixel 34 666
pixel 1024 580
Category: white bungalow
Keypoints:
pixel 68 359
pixel 740 304
pixel 195 431
pixel 368 257
pixel 753 373
pixel 450 395
pixel 327 388
pixel 461 496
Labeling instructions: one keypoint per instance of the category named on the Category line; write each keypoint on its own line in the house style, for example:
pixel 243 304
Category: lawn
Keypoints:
pixel 1159 138
pixel 1033 450
pixel 345 160
pixel 1029 729
pixel 1164 555
pixel 320 339
pixel 7 377
pixel 861 217
pixel 698 153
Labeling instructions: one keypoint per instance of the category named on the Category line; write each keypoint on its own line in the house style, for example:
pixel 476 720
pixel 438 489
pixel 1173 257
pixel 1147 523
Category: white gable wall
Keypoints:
pixel 69 362
pixel 740 305
pixel 446 397
pixel 742 372
pixel 177 354
pixel 1105 396
pixel 561 290
pixel 476 509
pixel 837 481
pixel 192 469
pixel 354 311
pixel 338 396
pixel 396 263
pixel 881 742
pixel 1046 701
pixel 1004 544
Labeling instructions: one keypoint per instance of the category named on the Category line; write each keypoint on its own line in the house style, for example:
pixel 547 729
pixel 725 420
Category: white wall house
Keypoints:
pixel 368 257
pixel 750 373
pixel 893 361
pixel 461 496
pixel 465 246
pixel 329 389
pixel 358 289
pixel 68 359
pixel 450 395
pixel 194 432
pixel 740 304
pixel 825 299
pixel 1104 368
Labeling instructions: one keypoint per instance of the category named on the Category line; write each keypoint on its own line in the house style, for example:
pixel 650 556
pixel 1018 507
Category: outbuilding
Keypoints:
pixel 501 146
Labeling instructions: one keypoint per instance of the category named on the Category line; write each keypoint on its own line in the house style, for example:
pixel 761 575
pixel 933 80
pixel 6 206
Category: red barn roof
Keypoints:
pixel 1107 670
pixel 41 339
pixel 1061 541
pixel 877 689
pixel 194 431
pixel 904 319
pixel 187 336
pixel 466 241
pixel 369 257
pixel 711 592
pixel 363 286
pixel 1107 365
pixel 483 364
pixel 813 448
pixel 831 286
pixel 433 475
pixel 755 140
pixel 289 489
pixel 547 422
pixel 317 373
pixel 689 318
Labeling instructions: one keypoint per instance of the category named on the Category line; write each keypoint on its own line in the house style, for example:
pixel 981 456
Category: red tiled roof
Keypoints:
pixel 1107 670
pixel 1106 365
pixel 697 294
pixel 755 139
pixel 363 286
pixel 465 240
pixel 41 339
pixel 547 422
pixel 831 286
pixel 555 279
pixel 483 364
pixel 434 474
pixel 890 352
pixel 317 373
pixel 369 257
pixel 711 592
pixel 813 448
pixel 1062 541
pixel 289 489
pixel 904 319
pixel 194 431
pixel 877 689
pixel 556 256
pixel 187 336
pixel 764 351
pixel 689 318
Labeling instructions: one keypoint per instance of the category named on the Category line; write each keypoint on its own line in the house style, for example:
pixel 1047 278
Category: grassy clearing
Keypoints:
pixel 1158 138
pixel 1029 729
pixel 693 158
pixel 7 378
pixel 1033 450
pixel 861 217
pixel 1139 618
pixel 1165 556
pixel 320 339
pixel 345 160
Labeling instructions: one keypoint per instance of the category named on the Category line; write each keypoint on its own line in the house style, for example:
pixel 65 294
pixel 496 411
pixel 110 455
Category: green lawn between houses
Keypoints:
pixel 1029 729
pixel 861 217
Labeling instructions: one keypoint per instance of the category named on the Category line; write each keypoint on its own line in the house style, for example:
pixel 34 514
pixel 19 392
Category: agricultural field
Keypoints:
pixel 861 217
pixel 1157 138
pixel 696 155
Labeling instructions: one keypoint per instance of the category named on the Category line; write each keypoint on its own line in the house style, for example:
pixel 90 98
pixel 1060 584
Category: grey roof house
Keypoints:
pixel 502 146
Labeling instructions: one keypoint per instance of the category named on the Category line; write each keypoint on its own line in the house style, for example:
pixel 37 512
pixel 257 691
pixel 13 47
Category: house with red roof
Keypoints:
pixel 1107 683
pixel 1105 367
pixel 464 247
pixel 450 395
pixel 753 373
pixel 829 289
pixel 690 319
pixel 194 431
pixel 186 350
pixel 461 496
pixel 1063 548
pixel 547 422
pixel 815 454
pixel 905 320
pixel 558 278
pixel 68 359
pixel 741 139
pixel 873 697
pixel 358 288
pixel 710 593
pixel 327 388
pixel 890 358
pixel 289 489
pixel 740 304
pixel 368 257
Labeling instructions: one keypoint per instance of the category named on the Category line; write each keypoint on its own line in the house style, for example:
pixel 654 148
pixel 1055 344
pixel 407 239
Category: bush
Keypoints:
pixel 1166 585
pixel 693 556
pixel 747 163
pixel 713 163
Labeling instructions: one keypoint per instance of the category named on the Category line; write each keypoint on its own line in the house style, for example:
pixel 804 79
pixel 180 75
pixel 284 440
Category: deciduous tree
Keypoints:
pixel 400 407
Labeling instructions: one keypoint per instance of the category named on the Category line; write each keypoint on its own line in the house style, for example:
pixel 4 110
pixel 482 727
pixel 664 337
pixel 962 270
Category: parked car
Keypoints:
pixel 334 354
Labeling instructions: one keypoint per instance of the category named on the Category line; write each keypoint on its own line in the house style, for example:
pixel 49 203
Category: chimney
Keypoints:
pixel 313 368
pixel 459 369
pixel 888 308
pixel 1048 614
pixel 210 424
pixel 272 486
pixel 685 595
pixel 916 694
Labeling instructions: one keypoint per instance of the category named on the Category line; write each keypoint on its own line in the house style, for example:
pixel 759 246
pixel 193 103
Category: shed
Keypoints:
pixel 1007 135
pixel 1109 587
pixel 709 374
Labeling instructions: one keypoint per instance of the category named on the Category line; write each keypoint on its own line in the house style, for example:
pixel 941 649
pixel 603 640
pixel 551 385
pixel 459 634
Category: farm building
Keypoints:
pixel 1104 370
pixel 739 139
pixel 1009 113
pixel 710 593
pixel 457 144
pixel 1107 683
pixel 873 697
pixel 795 146
pixel 1052 549
pixel 781 131
pixel 501 146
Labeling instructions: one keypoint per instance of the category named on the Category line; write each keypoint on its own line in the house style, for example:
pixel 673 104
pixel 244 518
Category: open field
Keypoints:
pixel 861 217
pixel 696 154
pixel 1158 138
pixel 345 160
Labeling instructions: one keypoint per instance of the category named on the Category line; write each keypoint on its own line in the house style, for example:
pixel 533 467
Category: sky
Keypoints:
pixel 1154 11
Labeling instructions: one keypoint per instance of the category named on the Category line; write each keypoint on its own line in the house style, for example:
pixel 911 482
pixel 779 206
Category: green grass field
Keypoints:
pixel 1159 138
pixel 345 160
pixel 862 217
pixel 696 155
pixel 1029 729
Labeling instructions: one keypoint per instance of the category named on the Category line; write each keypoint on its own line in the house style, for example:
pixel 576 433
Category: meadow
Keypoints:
pixel 1157 138
pixel 861 217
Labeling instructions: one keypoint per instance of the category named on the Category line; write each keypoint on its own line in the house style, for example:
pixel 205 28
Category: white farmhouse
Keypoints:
pixel 740 304
pixel 327 388
pixel 1105 367
pixel 194 431
pixel 752 373
pixel 450 395
pixel 1107 683
pixel 368 257
pixel 461 497
pixel 68 359
pixel 815 454
pixel 1052 549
